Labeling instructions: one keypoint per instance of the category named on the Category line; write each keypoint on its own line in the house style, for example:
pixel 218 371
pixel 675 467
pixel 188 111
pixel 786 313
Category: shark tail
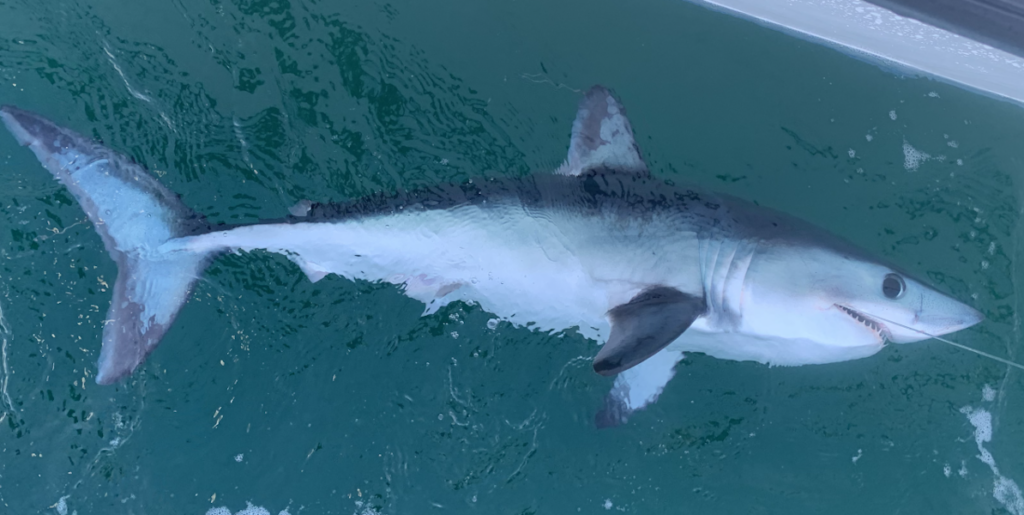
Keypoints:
pixel 133 214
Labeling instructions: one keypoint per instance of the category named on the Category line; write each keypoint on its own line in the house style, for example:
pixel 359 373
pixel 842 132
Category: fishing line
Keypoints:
pixel 955 344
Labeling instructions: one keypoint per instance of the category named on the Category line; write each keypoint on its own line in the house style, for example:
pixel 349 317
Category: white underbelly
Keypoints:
pixel 700 337
pixel 524 269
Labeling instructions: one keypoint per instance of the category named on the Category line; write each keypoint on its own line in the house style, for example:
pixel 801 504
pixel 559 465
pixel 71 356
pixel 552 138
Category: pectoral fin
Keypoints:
pixel 645 325
pixel 637 388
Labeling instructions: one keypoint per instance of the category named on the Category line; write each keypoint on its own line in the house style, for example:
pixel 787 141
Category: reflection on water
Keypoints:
pixel 5 397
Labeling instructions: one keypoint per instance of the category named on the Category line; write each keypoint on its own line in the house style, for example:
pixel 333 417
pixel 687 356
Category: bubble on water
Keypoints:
pixel 365 509
pixel 869 137
pixel 1004 489
pixel 892 114
pixel 988 394
pixel 62 505
pixel 912 157
pixel 852 152
pixel 492 323
pixel 249 509
pixel 239 457
pixel 982 421
pixel 608 504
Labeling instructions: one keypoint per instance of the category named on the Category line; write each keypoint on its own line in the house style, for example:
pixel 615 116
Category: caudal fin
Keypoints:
pixel 133 214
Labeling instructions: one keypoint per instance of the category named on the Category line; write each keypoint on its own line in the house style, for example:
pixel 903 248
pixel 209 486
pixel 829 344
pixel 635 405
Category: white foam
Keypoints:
pixel 1004 489
pixel 869 137
pixel 987 393
pixel 62 505
pixel 253 510
pixel 250 509
pixel 1008 493
pixel 982 421
pixel 365 509
pixel 912 157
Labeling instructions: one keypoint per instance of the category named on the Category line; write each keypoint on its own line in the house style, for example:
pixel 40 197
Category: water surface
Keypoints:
pixel 339 398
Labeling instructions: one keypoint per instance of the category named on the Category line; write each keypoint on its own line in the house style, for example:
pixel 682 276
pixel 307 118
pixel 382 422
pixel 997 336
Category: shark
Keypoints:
pixel 647 268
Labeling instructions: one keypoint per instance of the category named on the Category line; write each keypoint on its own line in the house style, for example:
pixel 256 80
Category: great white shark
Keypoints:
pixel 647 268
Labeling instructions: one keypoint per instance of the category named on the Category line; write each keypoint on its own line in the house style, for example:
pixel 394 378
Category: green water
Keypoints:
pixel 339 398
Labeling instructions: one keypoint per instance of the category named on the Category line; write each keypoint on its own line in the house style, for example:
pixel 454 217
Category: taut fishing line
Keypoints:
pixel 955 344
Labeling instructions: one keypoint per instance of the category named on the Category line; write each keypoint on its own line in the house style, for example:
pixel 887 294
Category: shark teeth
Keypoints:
pixel 871 324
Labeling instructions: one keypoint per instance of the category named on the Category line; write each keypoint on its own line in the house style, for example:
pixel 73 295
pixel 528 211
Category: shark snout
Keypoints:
pixel 964 317
pixel 951 317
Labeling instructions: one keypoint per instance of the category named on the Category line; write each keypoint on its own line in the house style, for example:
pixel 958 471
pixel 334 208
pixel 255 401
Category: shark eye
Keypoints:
pixel 893 286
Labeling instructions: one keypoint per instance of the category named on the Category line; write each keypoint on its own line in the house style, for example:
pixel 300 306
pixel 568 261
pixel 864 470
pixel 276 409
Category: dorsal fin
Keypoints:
pixel 602 137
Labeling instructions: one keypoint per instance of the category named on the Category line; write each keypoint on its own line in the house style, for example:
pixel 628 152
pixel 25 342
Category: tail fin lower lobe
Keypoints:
pixel 133 214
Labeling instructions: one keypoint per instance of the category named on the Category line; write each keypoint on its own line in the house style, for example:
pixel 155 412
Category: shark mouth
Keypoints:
pixel 877 327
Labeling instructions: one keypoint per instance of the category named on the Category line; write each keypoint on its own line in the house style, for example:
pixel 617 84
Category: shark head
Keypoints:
pixel 774 288
pixel 842 300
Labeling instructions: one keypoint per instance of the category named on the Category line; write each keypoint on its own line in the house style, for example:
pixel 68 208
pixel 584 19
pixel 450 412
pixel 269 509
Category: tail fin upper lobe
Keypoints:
pixel 133 214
